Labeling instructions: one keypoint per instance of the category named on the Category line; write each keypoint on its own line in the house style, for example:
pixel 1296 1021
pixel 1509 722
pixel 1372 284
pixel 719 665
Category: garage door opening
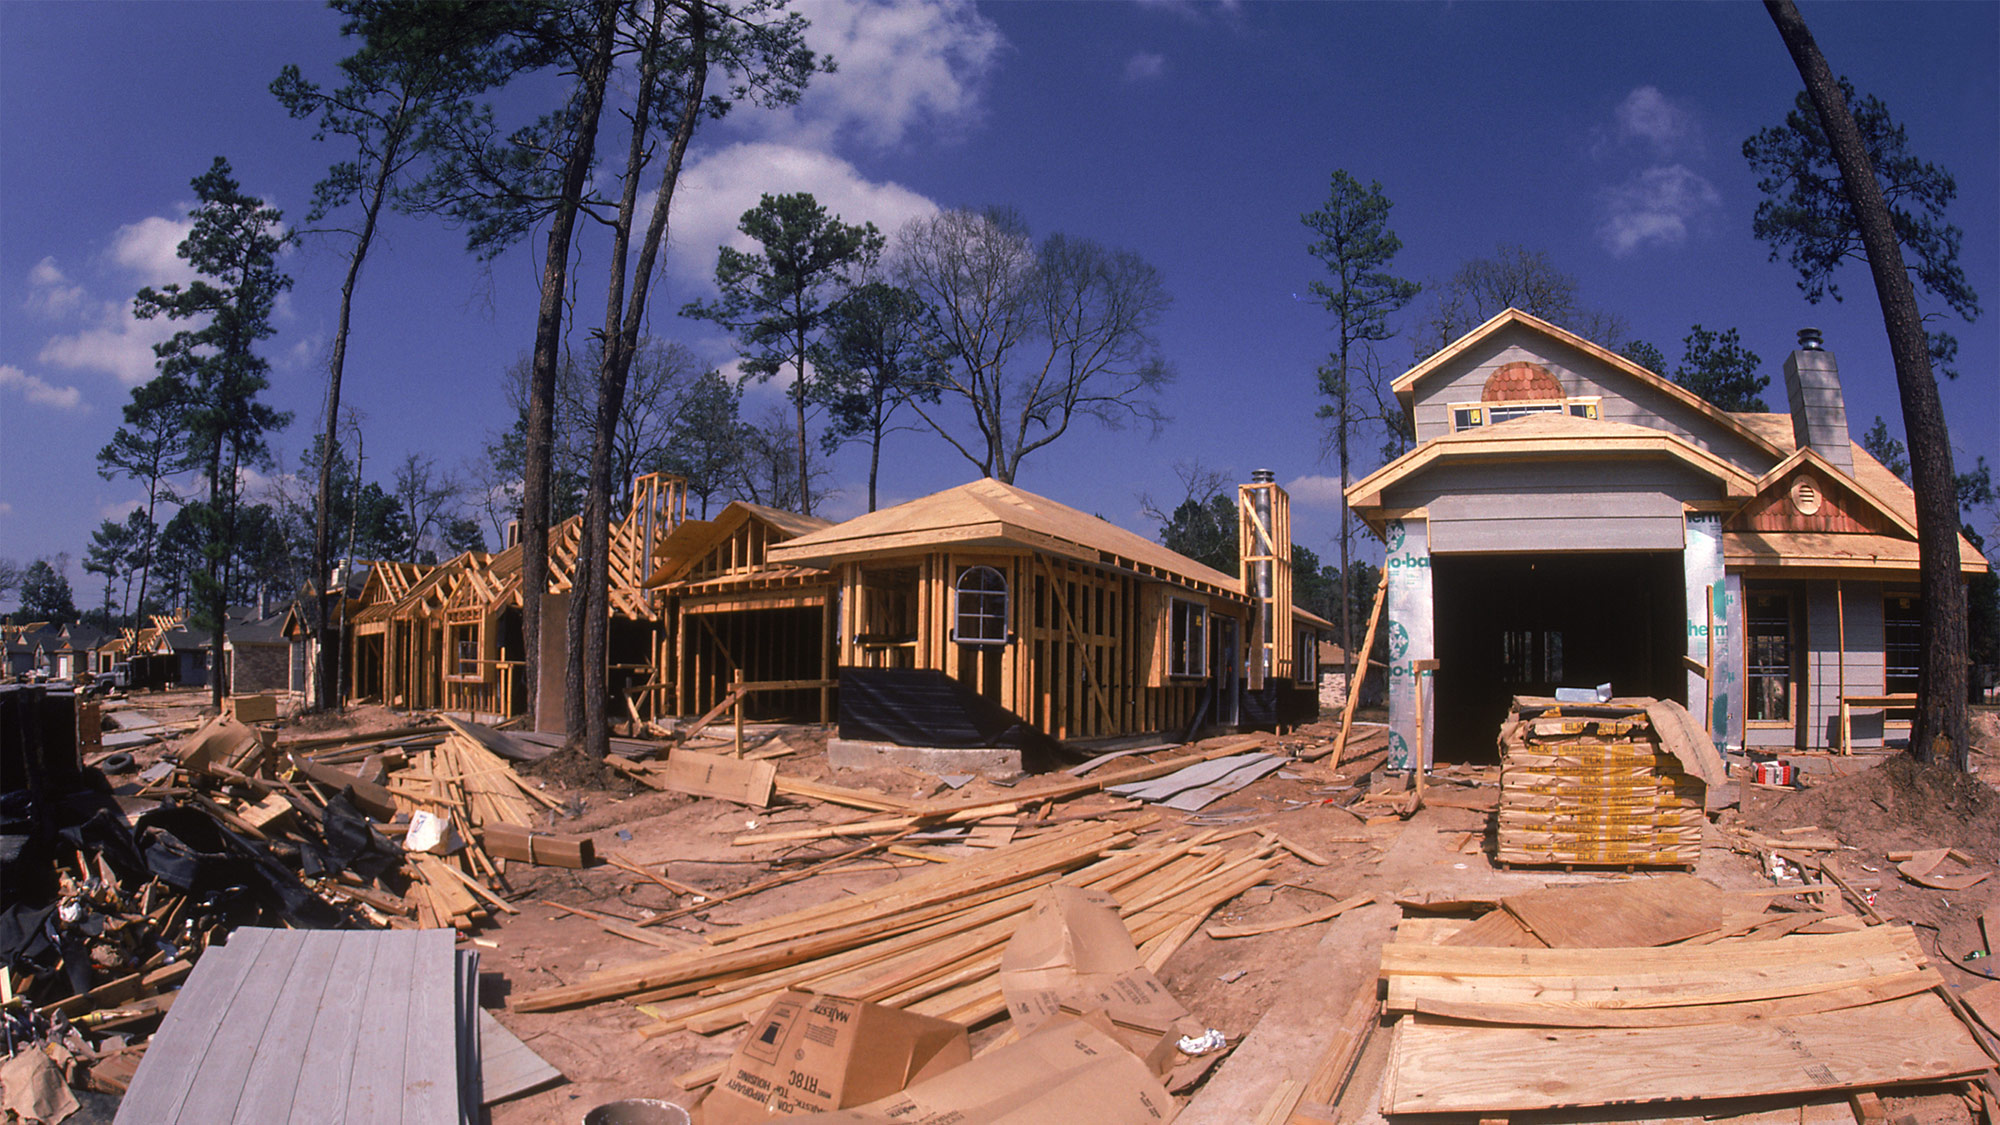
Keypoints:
pixel 1510 625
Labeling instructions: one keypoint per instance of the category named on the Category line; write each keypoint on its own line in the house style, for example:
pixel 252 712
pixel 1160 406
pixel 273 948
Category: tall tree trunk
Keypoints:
pixel 540 444
pixel 326 663
pixel 587 673
pixel 1940 728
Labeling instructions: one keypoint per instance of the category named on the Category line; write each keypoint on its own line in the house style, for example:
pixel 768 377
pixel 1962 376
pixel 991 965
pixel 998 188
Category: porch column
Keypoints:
pixel 1411 633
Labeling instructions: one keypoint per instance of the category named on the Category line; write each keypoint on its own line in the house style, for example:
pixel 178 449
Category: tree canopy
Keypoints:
pixel 781 300
pixel 1035 335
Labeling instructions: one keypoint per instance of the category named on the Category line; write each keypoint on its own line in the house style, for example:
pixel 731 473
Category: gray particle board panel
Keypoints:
pixel 273 1073
pixel 1201 773
pixel 315 1026
pixel 430 1062
pixel 376 1088
pixel 1194 800
pixel 508 1066
pixel 326 1063
pixel 219 1080
pixel 161 1085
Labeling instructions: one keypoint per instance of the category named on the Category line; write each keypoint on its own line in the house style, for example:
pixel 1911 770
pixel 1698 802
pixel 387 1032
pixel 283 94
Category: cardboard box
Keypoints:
pixel 812 1054
pixel 1070 1070
pixel 1073 955
pixel 259 708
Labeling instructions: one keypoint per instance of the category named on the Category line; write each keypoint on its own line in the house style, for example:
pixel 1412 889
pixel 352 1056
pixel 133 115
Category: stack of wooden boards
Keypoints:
pixel 932 943
pixel 317 1025
pixel 1516 1027
pixel 1619 783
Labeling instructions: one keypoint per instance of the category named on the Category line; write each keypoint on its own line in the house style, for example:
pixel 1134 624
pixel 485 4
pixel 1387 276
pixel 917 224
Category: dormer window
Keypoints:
pixel 1473 415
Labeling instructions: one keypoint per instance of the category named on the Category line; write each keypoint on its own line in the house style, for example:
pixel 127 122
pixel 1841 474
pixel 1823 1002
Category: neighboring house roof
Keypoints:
pixel 1542 436
pixel 267 631
pixel 987 513
pixel 82 637
pixel 1405 384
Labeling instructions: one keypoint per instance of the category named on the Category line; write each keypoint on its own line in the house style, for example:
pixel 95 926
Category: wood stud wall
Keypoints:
pixel 1086 657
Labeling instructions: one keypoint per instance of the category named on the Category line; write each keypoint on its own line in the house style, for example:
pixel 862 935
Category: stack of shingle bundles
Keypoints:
pixel 1621 783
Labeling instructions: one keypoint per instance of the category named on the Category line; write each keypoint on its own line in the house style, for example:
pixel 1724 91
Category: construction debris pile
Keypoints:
pixel 116 892
pixel 1617 783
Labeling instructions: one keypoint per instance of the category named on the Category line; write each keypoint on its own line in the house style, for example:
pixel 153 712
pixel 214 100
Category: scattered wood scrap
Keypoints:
pixel 931 943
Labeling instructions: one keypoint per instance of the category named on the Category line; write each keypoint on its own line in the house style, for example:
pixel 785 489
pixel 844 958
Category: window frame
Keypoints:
pixel 981 611
pixel 1751 667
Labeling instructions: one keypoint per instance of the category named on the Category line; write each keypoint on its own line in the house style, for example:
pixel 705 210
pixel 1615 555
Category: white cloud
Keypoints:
pixel 901 64
pixel 118 509
pixel 1144 66
pixel 1314 491
pixel 118 344
pixel 714 193
pixel 39 391
pixel 51 293
pixel 1656 206
pixel 1649 116
pixel 148 248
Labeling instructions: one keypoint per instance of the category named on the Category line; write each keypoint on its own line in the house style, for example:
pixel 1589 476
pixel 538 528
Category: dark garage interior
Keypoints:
pixel 1527 624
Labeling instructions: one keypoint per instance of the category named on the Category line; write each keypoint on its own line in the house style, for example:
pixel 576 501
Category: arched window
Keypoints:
pixel 982 607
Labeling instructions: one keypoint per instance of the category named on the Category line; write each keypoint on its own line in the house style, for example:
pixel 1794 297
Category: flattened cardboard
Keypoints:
pixel 1069 1070
pixel 811 1054
pixel 1074 953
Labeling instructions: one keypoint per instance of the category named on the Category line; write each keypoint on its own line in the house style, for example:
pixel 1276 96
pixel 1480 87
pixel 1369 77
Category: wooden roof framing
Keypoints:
pixel 988 513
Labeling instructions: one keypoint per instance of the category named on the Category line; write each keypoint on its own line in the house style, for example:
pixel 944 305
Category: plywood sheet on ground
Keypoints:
pixel 1440 1067
pixel 1628 912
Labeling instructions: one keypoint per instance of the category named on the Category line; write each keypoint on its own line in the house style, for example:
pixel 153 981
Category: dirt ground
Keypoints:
pixel 1270 994
pixel 1232 985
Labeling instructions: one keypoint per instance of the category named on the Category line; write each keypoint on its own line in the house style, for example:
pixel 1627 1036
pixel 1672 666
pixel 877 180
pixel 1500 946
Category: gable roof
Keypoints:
pixel 1542 436
pixel 1872 481
pixel 1405 384
pixel 987 513
pixel 687 544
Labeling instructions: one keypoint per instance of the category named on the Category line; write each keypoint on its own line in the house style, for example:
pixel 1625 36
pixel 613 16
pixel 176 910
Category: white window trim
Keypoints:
pixel 958 592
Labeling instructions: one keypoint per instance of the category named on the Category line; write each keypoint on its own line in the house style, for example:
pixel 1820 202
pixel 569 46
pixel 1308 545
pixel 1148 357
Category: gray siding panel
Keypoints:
pixel 1577 505
pixel 1624 399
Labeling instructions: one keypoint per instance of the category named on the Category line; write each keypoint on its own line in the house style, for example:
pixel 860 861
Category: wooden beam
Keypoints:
pixel 1354 681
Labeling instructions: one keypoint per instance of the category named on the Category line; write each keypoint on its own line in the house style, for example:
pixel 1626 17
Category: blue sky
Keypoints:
pixel 1606 135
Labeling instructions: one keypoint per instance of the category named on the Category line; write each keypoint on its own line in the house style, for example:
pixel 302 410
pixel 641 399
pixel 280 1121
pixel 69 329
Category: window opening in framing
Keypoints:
pixel 1189 639
pixel 1768 621
pixel 981 617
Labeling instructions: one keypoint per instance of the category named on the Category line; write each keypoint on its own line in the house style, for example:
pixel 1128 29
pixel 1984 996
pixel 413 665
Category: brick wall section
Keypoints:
pixel 259 668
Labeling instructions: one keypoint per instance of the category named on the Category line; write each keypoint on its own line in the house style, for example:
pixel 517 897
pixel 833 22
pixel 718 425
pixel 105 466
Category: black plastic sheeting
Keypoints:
pixel 925 707
pixel 1279 703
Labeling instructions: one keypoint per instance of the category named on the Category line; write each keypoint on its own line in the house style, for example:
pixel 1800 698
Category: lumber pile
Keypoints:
pixel 1725 1010
pixel 932 943
pixel 1596 784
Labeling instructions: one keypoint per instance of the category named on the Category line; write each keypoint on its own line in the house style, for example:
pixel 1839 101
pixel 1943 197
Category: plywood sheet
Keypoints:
pixel 1449 1068
pixel 1629 912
